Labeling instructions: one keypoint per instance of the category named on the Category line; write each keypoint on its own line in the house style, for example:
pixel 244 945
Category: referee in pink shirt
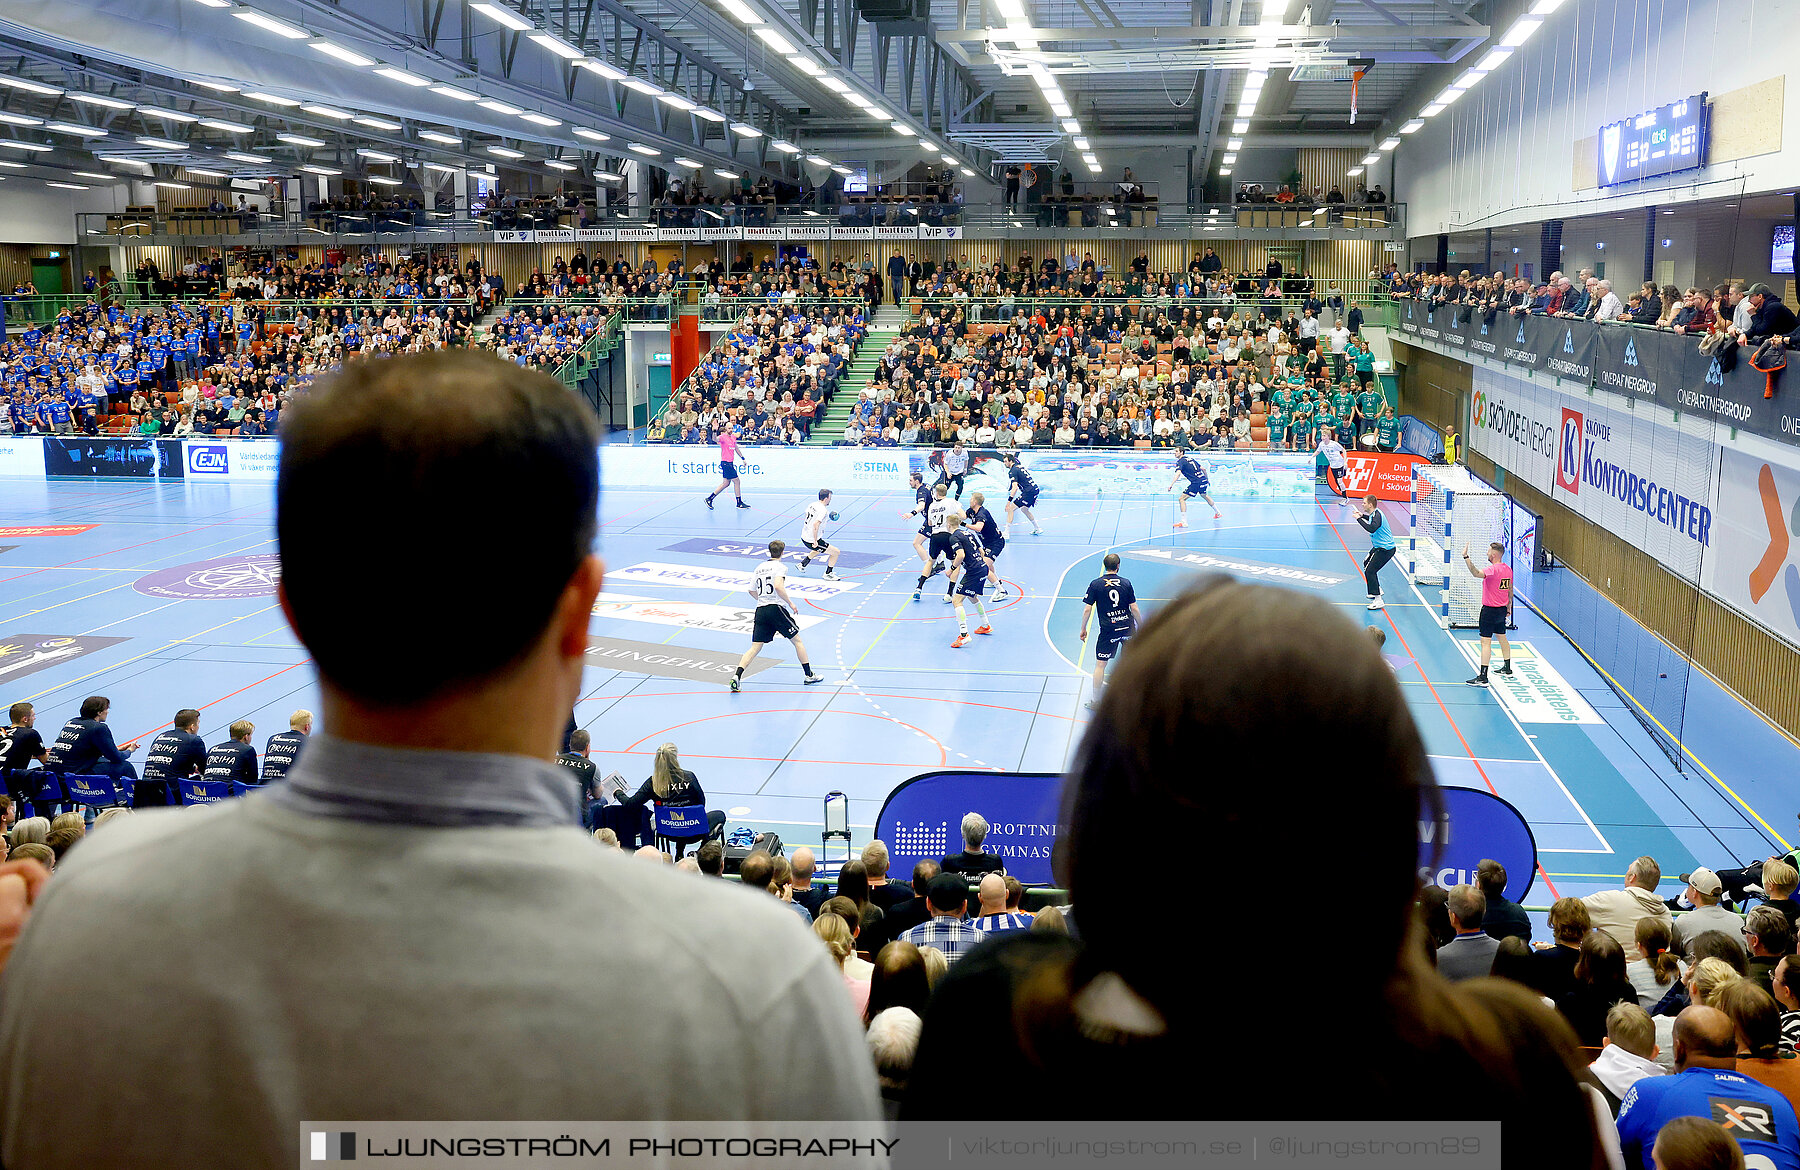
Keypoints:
pixel 1496 604
pixel 728 466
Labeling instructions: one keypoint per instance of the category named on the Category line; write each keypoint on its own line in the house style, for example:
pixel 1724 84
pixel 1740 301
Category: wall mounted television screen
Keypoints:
pixel 1781 251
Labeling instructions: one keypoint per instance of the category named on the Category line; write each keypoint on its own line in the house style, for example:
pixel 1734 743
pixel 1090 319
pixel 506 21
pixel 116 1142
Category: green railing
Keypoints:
pixel 596 349
pixel 40 310
pixel 281 312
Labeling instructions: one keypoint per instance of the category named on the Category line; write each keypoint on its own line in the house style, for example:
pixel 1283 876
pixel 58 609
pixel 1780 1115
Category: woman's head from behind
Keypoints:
pixel 899 980
pixel 1602 960
pixel 1217 675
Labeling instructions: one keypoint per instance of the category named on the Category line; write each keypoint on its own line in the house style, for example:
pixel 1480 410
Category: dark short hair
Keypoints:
pixel 94 705
pixel 710 857
pixel 455 466
pixel 18 711
pixel 579 738
pixel 185 717
pixel 1490 876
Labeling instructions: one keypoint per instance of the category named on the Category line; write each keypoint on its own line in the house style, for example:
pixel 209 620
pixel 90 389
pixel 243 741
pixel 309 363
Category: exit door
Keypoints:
pixel 47 276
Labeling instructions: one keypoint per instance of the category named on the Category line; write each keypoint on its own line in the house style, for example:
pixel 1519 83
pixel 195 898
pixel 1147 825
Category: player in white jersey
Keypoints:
pixel 774 615
pixel 816 545
pixel 933 541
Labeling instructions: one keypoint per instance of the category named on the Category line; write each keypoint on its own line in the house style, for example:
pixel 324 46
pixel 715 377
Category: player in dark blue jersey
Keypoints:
pixel 1116 600
pixel 928 542
pixel 284 747
pixel 1022 491
pixel 234 760
pixel 982 523
pixel 1194 471
pixel 969 560
pixel 176 755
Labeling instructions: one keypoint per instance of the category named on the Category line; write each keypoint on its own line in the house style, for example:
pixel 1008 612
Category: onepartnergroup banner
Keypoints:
pixel 1645 365
pixel 965 1145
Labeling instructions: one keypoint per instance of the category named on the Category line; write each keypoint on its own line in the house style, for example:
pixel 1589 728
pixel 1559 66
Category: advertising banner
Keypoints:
pixel 1388 476
pixel 513 236
pixel 22 455
pixel 1643 479
pixel 1476 825
pixel 842 232
pixel 897 232
pixel 556 236
pixel 607 235
pixel 922 819
pixel 637 235
pixel 236 460
pixel 765 233
pixel 121 457
pixel 1755 566
pixel 1645 364
pixel 687 615
pixel 23 654
pixel 949 232
pixel 677 235
pixel 721 232
pixel 814 231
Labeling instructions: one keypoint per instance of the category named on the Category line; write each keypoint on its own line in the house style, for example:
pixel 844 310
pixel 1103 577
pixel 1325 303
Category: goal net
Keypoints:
pixel 1451 508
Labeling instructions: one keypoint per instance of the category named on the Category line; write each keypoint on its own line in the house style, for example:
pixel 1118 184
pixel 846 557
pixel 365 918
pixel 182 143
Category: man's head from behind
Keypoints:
pixel 1630 1027
pixel 454 467
pixel 1644 874
pixel 1767 932
pixel 1467 907
pixel 1704 1038
pixel 947 896
pixel 757 871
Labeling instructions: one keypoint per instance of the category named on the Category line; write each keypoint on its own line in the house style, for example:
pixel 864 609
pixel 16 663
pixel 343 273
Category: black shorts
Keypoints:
pixel 971 585
pixel 772 620
pixel 1107 648
pixel 728 469
pixel 1492 621
pixel 994 545
pixel 818 548
pixel 1026 499
pixel 1196 487
pixel 941 546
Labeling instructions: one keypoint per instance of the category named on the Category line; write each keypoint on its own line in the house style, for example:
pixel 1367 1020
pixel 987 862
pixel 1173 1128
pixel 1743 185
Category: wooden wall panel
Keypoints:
pixel 1324 167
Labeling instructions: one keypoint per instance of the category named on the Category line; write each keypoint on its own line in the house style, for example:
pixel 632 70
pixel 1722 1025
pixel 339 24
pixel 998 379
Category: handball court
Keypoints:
pixel 161 595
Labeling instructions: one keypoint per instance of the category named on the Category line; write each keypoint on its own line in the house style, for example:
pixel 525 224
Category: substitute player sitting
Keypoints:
pixel 970 560
pixel 1116 600
pixel 774 615
pixel 816 545
pixel 1191 468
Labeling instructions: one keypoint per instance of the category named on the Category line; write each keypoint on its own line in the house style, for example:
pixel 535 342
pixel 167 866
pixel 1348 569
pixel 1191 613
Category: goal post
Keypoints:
pixel 1450 508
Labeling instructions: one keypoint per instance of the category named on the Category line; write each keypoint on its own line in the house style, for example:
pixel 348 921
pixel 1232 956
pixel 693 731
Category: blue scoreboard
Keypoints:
pixel 1665 140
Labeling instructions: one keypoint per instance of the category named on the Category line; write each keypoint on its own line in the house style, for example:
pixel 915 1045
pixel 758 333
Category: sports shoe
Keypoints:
pixel 915 595
pixel 741 504
pixel 811 679
pixel 961 641
pixel 1217 516
pixel 984 629
pixel 1037 532
pixel 734 686
pixel 830 575
pixel 1504 670
pixel 1093 704
pixel 709 501
pixel 1377 603
pixel 1479 680
pixel 805 561
pixel 949 600
pixel 1181 523
pixel 999 595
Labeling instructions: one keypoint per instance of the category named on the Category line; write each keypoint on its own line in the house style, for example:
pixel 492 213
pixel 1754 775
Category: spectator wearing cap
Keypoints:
pixel 1470 955
pixel 1704 890
pixel 972 860
pixel 1768 316
pixel 1503 917
pixel 947 900
pixel 1617 911
pixel 996 916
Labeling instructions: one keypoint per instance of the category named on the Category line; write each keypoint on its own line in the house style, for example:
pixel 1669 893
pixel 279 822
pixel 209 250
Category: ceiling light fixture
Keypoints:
pixel 646 151
pixel 19 119
pixel 94 99
pixel 377 155
pixel 648 88
pixel 1494 60
pixel 818 160
pixel 505 152
pixel 1388 144
pixel 806 65
pixel 1371 159
pixel 78 131
pixel 592 65
pixel 172 186
pixel 558 165
pixel 215 86
pixel 94 175
pixel 383 181
pixel 448 170
pixel 746 130
pixel 326 171
pixel 392 73
pixel 167 115
pixel 68 186
pixel 500 107
pixel 1413 127
pixel 228 127
pixel 243 157
pixel 347 56
pixel 743 12
pixel 159 143
pixel 1521 31
pixel 692 164
pixel 444 139
pixel 207 174
pixel 556 45
pixel 267 23
pixel 609 177
pixel 1241 126
pixel 679 101
pixel 451 91
pixel 376 123
pixel 709 114
pixel 294 140
pixel 726 174
pixel 272 99
pixel 775 40
pixel 591 135
pixel 786 147
pixel 34 87
pixel 329 112
pixel 540 119
pixel 505 17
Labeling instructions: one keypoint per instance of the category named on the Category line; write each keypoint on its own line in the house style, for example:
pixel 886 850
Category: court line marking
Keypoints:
pixel 1473 658
pixel 943 752
pixel 1673 738
pixel 165 646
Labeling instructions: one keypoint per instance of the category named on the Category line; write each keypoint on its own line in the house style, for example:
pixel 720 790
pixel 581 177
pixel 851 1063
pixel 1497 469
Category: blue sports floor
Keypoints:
pixel 898 700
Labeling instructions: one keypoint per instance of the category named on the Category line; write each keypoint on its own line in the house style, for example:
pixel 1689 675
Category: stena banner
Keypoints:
pixel 1643 479
pixel 921 820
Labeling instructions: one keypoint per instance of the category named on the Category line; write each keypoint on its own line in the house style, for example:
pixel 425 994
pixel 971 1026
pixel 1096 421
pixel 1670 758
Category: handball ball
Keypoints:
pixel 834 515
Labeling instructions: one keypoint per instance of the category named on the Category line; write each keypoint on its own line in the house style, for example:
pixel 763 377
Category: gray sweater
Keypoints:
pixel 398 935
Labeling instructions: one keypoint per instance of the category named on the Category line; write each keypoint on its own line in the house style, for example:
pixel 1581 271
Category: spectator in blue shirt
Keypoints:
pixel 1707 1084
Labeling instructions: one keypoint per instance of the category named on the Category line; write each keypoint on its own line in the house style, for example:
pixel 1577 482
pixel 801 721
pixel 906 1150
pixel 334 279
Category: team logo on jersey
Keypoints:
pixel 220 579
pixel 1744 1120
pixel 1568 452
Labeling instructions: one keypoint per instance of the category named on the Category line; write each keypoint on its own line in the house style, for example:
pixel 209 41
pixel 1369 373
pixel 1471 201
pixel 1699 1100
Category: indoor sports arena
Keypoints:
pixel 669 583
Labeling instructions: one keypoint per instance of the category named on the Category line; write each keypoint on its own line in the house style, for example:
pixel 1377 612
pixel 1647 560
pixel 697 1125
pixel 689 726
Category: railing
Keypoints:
pixel 598 346
pixel 1378 309
pixel 1053 212
pixel 280 312
pixel 42 309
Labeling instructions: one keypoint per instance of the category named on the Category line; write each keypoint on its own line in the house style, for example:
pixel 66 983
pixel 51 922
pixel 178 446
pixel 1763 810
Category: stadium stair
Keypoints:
pixel 830 426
